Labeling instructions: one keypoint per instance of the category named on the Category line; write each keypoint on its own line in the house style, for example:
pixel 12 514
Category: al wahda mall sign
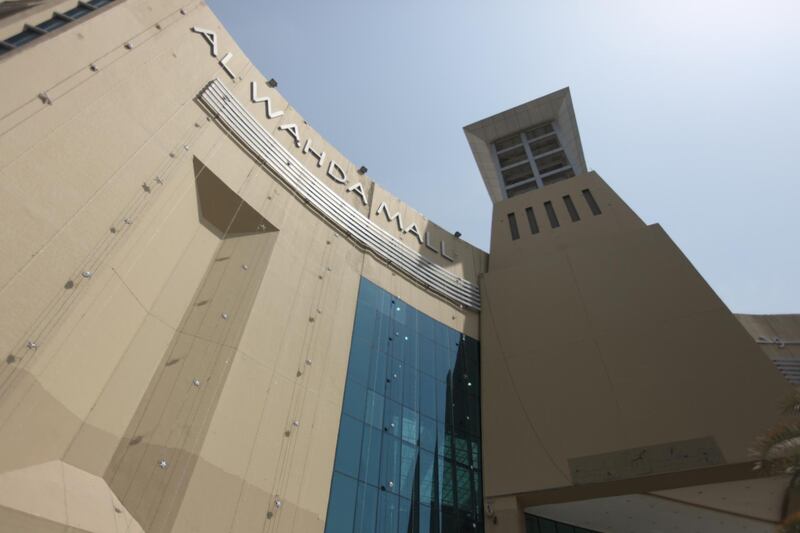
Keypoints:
pixel 334 170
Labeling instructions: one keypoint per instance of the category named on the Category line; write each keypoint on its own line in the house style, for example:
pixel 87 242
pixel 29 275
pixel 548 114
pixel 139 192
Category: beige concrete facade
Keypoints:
pixel 176 317
pixel 123 177
pixel 627 385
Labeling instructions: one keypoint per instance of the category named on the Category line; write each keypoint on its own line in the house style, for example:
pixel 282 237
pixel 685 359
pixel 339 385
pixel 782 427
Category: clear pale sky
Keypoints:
pixel 688 109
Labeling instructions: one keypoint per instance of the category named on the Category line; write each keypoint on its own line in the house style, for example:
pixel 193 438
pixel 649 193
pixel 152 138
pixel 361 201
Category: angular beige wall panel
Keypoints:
pixel 631 350
pixel 126 178
pixel 62 494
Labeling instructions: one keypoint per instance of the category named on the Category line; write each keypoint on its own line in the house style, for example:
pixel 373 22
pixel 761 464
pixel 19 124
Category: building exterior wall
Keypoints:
pixel 177 315
pixel 106 180
pixel 408 456
pixel 629 375
pixel 778 336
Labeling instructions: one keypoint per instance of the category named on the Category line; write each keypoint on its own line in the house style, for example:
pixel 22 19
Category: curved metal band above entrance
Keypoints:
pixel 258 141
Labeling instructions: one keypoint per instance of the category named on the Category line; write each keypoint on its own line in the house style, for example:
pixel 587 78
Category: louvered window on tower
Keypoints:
pixel 512 224
pixel 590 201
pixel 789 367
pixel 531 159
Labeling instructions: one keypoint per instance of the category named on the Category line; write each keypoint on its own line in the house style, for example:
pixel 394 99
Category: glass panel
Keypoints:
pixel 392 418
pixel 348 448
pixel 558 176
pixel 464 488
pixel 369 470
pixel 444 403
pixel 522 189
pixel 377 372
pixel 427 357
pixel 476 455
pixel 537 524
pixel 399 312
pixel 448 521
pixel 444 362
pixel 512 156
pixel 410 352
pixel 427 433
pixel 474 417
pixel 538 131
pixel 448 484
pixel 462 453
pixel 394 380
pixel 426 488
pixel 370 295
pixel 387 512
pixel 405 516
pixel 411 392
pixel 342 503
pixel 399 338
pixel 547 526
pixel 545 145
pixel 408 470
pixel 507 142
pixel 374 410
pixel 427 327
pixel 355 398
pixel 360 355
pixel 478 492
pixel 98 3
pixel 425 520
pixel 410 426
pixel 471 350
pixel 552 162
pixel 380 335
pixel 390 463
pixel 531 524
pixel 427 396
pixel 364 325
pixel 453 338
pixel 366 509
pixel 444 445
pixel 518 173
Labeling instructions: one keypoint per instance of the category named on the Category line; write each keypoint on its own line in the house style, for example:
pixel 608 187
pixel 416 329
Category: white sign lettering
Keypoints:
pixel 211 37
pixel 397 216
pixel 319 155
pixel 335 171
pixel 267 102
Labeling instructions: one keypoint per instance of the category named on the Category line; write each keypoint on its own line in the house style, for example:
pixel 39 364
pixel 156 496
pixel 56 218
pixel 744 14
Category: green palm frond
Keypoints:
pixel 791 405
pixel 780 447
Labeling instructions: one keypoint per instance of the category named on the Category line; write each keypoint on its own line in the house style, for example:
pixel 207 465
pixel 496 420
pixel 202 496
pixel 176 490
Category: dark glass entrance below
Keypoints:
pixel 408 457
pixel 537 524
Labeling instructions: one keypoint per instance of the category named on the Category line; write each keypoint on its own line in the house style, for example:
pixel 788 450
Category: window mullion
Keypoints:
pixel 531 162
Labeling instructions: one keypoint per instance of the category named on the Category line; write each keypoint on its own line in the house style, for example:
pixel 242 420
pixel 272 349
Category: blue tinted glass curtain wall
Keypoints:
pixel 408 458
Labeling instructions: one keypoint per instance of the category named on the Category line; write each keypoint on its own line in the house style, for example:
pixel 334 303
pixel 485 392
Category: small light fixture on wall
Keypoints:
pixel 272 83
pixel 362 170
